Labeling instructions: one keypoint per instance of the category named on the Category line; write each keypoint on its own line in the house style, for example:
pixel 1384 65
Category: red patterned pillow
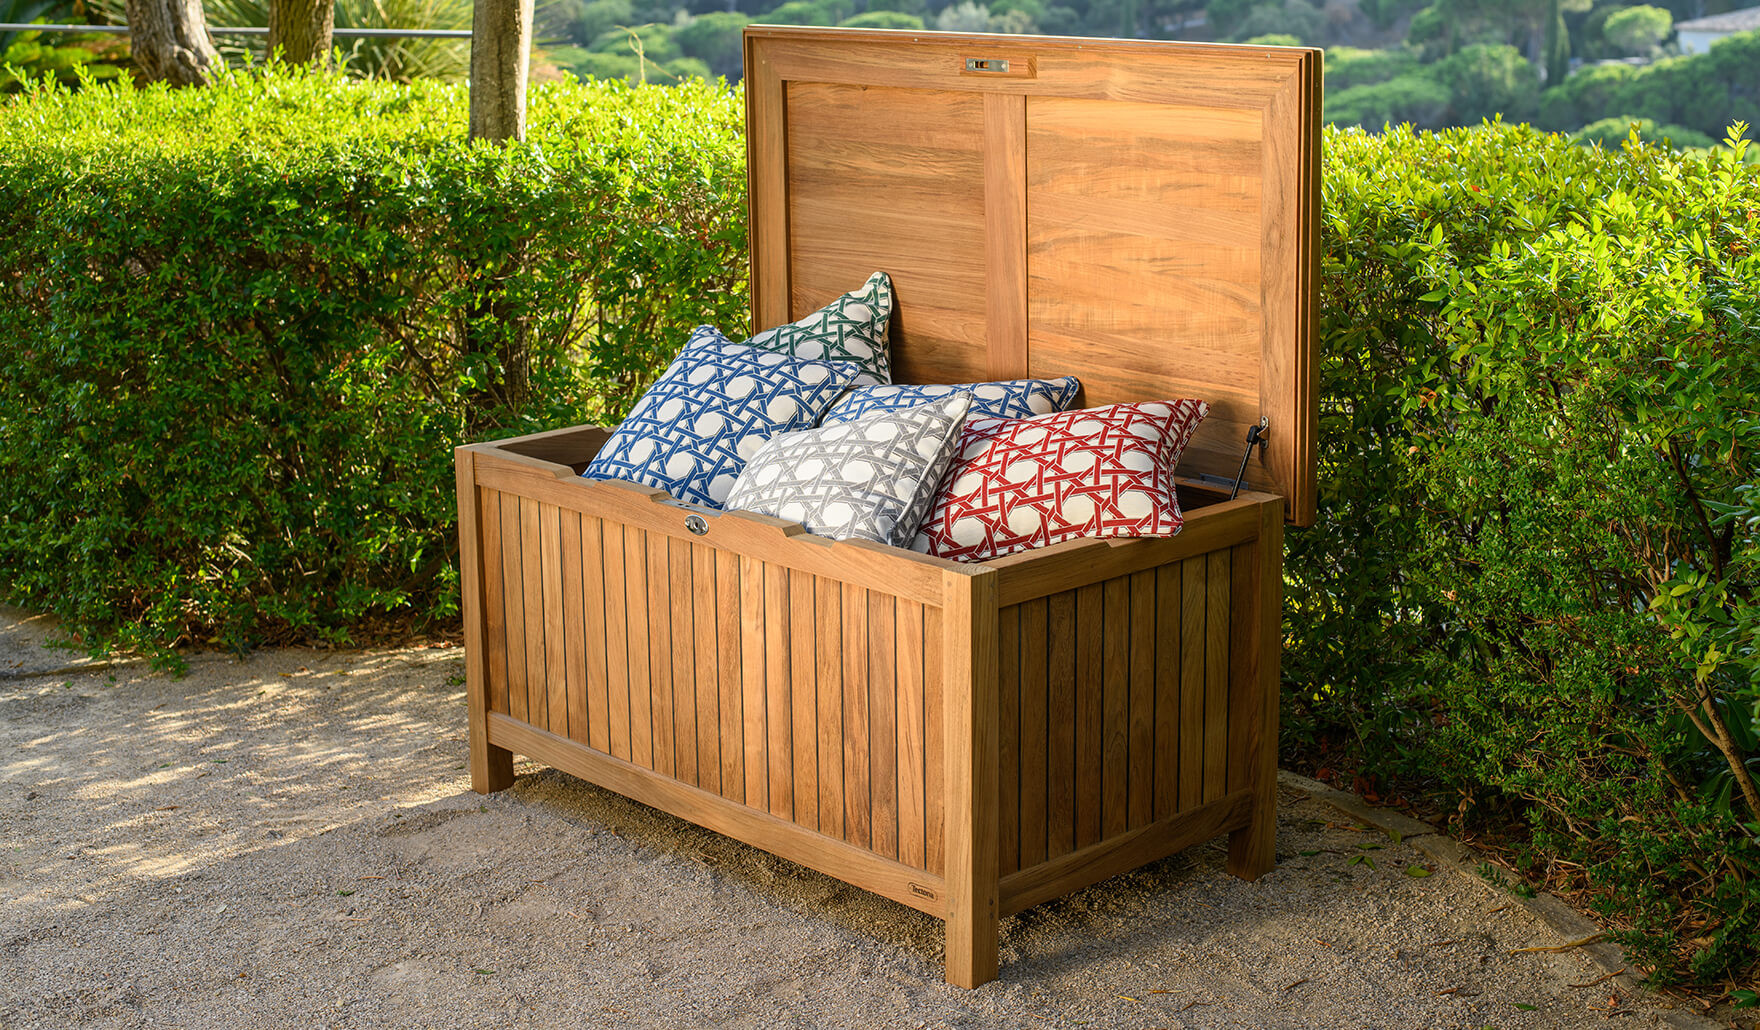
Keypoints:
pixel 1099 472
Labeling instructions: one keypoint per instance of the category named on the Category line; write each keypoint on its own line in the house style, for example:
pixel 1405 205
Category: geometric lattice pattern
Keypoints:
pixel 1098 472
pixel 712 408
pixel 1011 398
pixel 850 328
pixel 871 478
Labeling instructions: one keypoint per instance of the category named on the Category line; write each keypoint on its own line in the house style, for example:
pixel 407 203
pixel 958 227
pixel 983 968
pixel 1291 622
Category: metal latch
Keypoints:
pixel 1255 438
pixel 999 65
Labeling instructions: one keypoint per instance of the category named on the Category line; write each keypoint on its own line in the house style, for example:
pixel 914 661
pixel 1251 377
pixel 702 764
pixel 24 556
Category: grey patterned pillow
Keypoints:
pixel 850 328
pixel 870 478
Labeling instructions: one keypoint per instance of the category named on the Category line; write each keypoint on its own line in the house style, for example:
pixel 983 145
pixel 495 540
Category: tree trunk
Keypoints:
pixel 501 48
pixel 170 41
pixel 1558 46
pixel 301 30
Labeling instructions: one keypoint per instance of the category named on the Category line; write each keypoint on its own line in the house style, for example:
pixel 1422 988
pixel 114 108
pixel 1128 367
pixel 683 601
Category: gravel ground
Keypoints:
pixel 290 841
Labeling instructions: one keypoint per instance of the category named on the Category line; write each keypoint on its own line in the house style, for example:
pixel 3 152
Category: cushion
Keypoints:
pixel 850 328
pixel 1098 472
pixel 712 408
pixel 1011 398
pixel 869 478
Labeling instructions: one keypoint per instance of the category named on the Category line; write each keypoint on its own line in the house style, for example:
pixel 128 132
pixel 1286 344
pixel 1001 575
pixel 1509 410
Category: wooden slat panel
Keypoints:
pixel 934 740
pixel 1191 682
pixel 616 639
pixel 1169 591
pixel 574 621
pixel 660 621
pixel 752 734
pixel 1216 624
pixel 494 612
pixel 882 724
pixel 641 676
pixel 1116 705
pixel 803 667
pixel 1008 635
pixel 513 594
pixel 704 595
pixel 828 671
pixel 531 561
pixel 1035 744
pixel 1142 745
pixel 684 663
pixel 1090 727
pixel 1060 771
pixel 778 693
pixel 729 671
pixel 857 800
pixel 599 643
pixel 909 663
pixel 555 628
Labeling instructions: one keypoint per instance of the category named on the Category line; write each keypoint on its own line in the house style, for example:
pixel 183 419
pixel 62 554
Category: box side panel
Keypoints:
pixel 1116 705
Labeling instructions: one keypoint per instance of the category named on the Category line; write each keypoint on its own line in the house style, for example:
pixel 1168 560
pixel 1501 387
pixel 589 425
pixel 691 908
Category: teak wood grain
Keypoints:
pixel 967 740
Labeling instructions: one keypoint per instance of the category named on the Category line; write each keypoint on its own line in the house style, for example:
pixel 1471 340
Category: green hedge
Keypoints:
pixel 1531 592
pixel 244 326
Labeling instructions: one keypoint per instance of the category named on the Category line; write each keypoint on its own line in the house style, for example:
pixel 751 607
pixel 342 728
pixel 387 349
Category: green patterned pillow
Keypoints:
pixel 850 328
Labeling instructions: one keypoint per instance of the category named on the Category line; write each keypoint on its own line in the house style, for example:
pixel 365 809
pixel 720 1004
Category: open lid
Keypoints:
pixel 1139 214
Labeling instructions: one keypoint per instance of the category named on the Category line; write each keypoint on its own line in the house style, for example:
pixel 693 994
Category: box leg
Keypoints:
pixel 971 939
pixel 971 745
pixel 491 766
pixel 1255 654
pixel 1252 850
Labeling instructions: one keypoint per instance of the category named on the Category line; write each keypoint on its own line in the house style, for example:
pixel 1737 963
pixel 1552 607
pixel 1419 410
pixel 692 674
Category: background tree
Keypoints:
pixel 1558 45
pixel 300 30
pixel 1638 30
pixel 171 43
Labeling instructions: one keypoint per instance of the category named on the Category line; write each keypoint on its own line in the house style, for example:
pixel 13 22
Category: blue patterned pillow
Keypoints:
pixel 1011 398
pixel 692 432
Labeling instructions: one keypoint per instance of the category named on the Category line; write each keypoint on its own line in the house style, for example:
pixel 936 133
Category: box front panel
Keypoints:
pixel 812 700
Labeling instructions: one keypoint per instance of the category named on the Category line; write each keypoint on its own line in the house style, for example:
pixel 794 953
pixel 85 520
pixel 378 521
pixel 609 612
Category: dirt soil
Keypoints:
pixel 291 841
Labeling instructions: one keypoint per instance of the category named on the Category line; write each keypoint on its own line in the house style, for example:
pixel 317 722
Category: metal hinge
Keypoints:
pixel 1255 438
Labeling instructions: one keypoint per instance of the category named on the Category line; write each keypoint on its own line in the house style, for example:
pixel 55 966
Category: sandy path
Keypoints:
pixel 290 841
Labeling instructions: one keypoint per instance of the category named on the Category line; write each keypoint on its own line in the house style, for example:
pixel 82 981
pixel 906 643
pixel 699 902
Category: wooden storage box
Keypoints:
pixel 968 740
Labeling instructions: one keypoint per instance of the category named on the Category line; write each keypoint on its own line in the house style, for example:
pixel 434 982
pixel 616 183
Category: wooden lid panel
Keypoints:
pixel 1141 215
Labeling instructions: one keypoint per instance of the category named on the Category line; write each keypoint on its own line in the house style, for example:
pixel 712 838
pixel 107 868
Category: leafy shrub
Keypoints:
pixel 1417 100
pixel 1486 81
pixel 1533 590
pixel 1611 132
pixel 245 325
pixel 32 55
pixel 1349 67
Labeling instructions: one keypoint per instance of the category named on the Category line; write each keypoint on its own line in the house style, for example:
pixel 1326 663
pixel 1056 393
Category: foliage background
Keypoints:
pixel 244 327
